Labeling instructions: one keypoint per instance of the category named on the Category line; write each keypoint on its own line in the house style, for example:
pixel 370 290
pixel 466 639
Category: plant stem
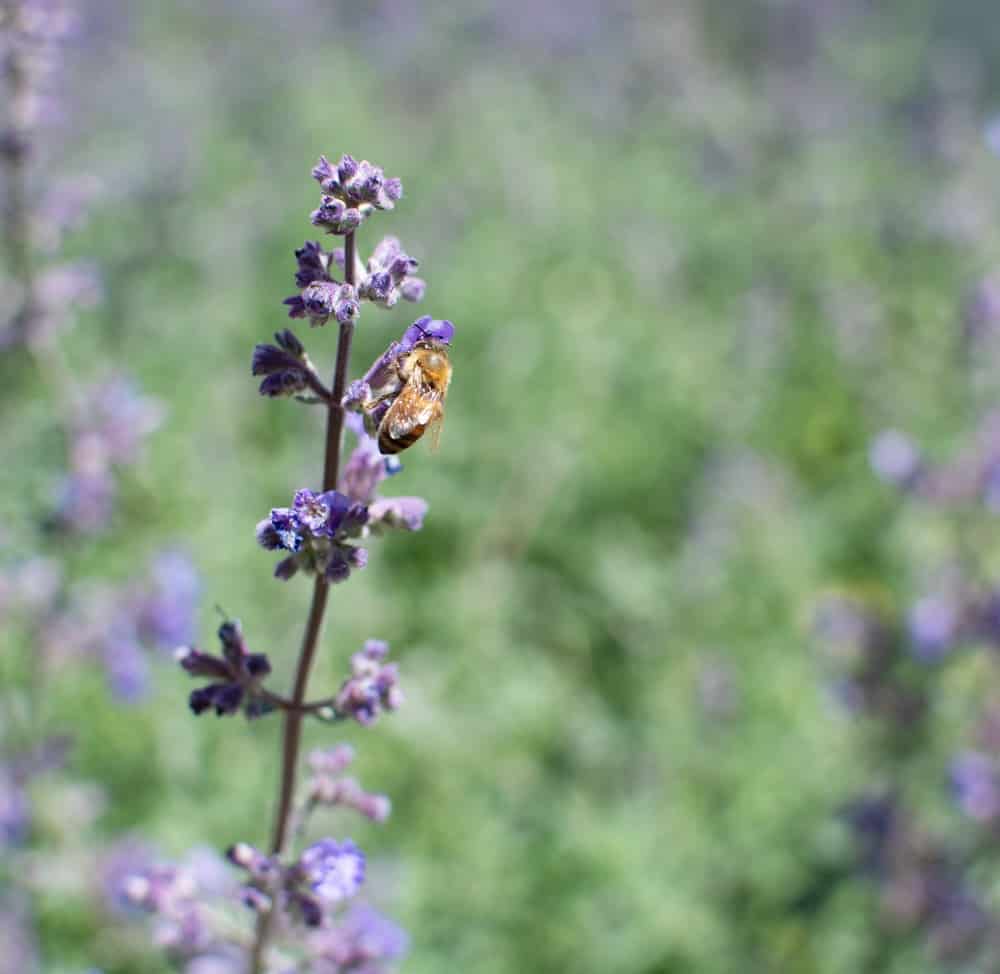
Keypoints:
pixel 310 639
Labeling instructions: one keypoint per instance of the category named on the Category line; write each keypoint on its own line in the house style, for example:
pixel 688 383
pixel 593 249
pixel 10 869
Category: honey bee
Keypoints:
pixel 422 378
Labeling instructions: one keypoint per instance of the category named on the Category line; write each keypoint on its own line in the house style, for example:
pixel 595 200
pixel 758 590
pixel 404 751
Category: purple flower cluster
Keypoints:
pixel 389 275
pixel 115 626
pixel 178 896
pixel 326 874
pixel 285 366
pixel 327 785
pixel 107 432
pixel 362 941
pixel 352 191
pixel 920 880
pixel 372 687
pixel 317 529
pixel 972 476
pixel 237 674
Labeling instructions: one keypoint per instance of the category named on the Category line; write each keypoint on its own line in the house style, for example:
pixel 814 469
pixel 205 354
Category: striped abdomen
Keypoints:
pixel 389 445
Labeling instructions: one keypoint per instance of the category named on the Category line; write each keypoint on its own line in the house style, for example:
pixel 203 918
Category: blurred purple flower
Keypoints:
pixel 167 606
pixel 327 786
pixel 333 871
pixel 372 687
pixel 361 940
pixel 975 786
pixel 933 624
pixel 895 458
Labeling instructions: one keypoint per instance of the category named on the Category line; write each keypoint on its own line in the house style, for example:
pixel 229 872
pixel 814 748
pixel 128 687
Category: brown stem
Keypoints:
pixel 310 639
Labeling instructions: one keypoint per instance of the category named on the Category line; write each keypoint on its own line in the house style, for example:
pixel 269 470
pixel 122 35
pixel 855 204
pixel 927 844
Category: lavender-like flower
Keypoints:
pixel 329 787
pixel 237 674
pixel 363 940
pixel 372 687
pixel 317 528
pixel 389 276
pixel 319 534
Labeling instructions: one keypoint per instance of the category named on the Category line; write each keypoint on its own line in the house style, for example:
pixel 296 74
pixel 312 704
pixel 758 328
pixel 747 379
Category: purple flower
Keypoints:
pixel 322 300
pixel 237 674
pixel 895 458
pixel 359 185
pixel 313 264
pixel 166 609
pixel 328 787
pixel 336 217
pixel 316 529
pixel 975 786
pixel 372 687
pixel 406 513
pixel 389 276
pixel 361 939
pixel 933 623
pixel 285 366
pixel 333 871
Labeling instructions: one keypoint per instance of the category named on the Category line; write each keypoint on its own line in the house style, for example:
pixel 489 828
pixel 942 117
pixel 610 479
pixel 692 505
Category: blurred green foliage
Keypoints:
pixel 697 256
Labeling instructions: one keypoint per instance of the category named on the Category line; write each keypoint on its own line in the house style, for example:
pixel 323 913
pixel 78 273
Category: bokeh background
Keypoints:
pixel 694 653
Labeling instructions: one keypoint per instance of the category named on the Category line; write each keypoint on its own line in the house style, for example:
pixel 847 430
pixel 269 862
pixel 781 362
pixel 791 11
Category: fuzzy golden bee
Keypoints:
pixel 417 397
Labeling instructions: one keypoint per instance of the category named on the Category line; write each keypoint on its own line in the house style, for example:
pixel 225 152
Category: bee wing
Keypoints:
pixel 434 426
pixel 412 409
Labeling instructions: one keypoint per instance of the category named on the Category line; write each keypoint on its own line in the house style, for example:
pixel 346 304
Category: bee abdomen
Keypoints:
pixel 388 445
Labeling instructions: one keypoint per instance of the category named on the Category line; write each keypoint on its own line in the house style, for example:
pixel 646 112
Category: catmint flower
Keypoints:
pixel 313 263
pixel 934 623
pixel 237 675
pixel 166 605
pixel 322 300
pixel 316 528
pixel 357 184
pixel 405 513
pixel 109 429
pixel 170 894
pixel 285 366
pixel 333 871
pixel 372 686
pixel 389 276
pixel 360 941
pixel 327 786
pixel 975 786
pixel 895 458
pixel 336 217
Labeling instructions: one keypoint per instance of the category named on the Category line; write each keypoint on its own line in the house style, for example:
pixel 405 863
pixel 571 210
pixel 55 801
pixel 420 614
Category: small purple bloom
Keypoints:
pixel 976 786
pixel 285 366
pixel 334 871
pixel 372 687
pixel 361 939
pixel 406 513
pixel 313 263
pixel 895 458
pixel 287 528
pixel 933 624
pixel 237 675
pixel 428 329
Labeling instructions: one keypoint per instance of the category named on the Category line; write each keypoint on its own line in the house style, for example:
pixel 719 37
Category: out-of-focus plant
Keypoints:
pixel 303 898
pixel 57 618
pixel 892 673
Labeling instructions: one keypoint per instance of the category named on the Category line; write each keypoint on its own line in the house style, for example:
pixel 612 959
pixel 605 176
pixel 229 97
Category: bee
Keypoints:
pixel 422 378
